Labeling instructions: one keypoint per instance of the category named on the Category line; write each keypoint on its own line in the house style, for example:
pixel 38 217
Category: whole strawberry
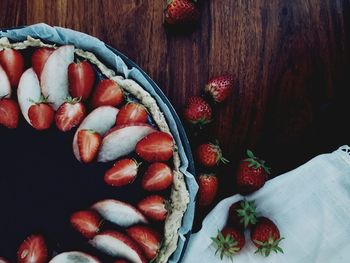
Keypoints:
pixel 208 187
pixel 229 242
pixel 209 155
pixel 198 111
pixel 219 88
pixel 179 12
pixel 252 174
pixel 242 214
pixel 266 237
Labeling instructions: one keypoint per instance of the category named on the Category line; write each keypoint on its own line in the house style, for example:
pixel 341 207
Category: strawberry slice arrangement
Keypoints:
pixel 62 88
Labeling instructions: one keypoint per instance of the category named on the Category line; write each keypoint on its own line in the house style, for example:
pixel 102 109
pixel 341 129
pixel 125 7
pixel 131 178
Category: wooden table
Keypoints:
pixel 290 61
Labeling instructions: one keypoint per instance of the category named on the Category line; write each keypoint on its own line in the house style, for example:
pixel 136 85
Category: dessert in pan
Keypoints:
pixel 112 168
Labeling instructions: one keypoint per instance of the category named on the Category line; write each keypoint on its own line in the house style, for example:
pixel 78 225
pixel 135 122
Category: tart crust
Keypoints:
pixel 179 197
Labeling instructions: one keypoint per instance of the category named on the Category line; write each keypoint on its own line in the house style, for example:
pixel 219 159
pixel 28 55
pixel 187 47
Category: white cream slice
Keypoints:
pixel 179 197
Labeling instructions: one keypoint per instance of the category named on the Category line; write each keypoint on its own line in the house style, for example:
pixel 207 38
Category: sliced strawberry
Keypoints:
pixel 70 114
pixel 33 250
pixel 119 213
pixel 132 113
pixel 81 77
pixel 157 177
pixel 89 143
pixel 147 238
pixel 41 115
pixel 154 207
pixel 9 113
pixel 13 63
pixel 117 244
pixel 107 92
pixel 39 59
pixel 86 222
pixel 156 147
pixel 122 173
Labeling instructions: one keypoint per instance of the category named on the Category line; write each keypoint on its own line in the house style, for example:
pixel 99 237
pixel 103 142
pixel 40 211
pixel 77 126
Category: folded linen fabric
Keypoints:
pixel 310 205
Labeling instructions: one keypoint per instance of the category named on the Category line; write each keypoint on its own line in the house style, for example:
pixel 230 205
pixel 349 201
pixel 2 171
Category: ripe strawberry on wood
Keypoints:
pixel 242 214
pixel 180 12
pixel 198 112
pixel 219 88
pixel 208 187
pixel 210 154
pixel 266 237
pixel 229 242
pixel 251 175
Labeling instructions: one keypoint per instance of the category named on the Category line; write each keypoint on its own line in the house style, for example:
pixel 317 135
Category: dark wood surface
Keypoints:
pixel 290 61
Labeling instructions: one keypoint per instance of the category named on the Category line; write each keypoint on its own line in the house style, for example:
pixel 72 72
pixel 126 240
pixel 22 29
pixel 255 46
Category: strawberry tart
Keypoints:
pixel 91 170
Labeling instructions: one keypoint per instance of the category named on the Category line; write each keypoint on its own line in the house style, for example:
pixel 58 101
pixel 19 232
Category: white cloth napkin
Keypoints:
pixel 310 205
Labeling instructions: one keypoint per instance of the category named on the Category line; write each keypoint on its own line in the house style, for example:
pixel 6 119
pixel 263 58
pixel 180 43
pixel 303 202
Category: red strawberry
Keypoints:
pixel 86 222
pixel 198 111
pixel 220 88
pixel 121 261
pixel 208 187
pixel 107 93
pixel 242 214
pixel 70 114
pixel 132 113
pixel 147 238
pixel 266 237
pixel 41 115
pixel 39 59
pixel 9 113
pixel 252 174
pixel 122 173
pixel 157 177
pixel 209 155
pixel 179 12
pixel 229 242
pixel 81 77
pixel 89 143
pixel 32 250
pixel 154 207
pixel 13 63
pixel 156 147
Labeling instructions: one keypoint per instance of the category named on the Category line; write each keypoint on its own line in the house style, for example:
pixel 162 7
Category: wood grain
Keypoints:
pixel 289 59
